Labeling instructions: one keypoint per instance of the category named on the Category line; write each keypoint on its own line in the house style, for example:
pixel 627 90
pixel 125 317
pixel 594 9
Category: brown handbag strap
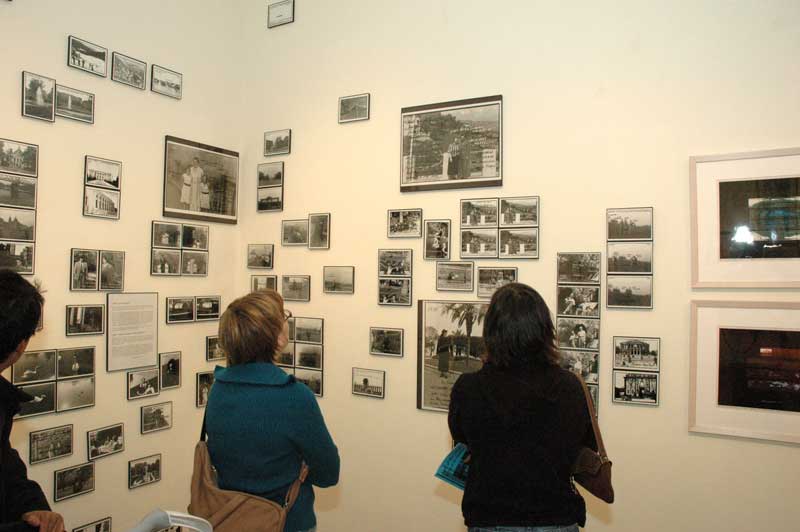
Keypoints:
pixel 601 448
pixel 294 490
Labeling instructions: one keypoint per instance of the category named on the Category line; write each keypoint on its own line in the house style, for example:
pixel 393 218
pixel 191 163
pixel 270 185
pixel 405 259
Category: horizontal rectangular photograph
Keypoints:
pixel 404 223
pixel 144 471
pixel 630 223
pixel 143 383
pixel 165 262
pixel 73 394
pixel 286 356
pixel 87 56
pixel 263 282
pixel 195 237
pixel 102 173
pixel 18 257
pixel 194 263
pixel 479 243
pixel 128 71
pixel 631 387
pixel 395 262
pixel 629 291
pixel 519 243
pixel 17 224
pixel 492 278
pixel 384 341
pixel 578 333
pixel 369 382
pixel 353 108
pixel 520 211
pixel 311 378
pixel 208 308
pixel 85 319
pixel 338 279
pixel 103 525
pixel 309 330
pixel 50 444
pixel 167 235
pixel 270 174
pixel 630 257
pixel 394 292
pixel 74 104
pixel 101 203
pixel 579 268
pixel 582 363
pixel 73 481
pixel 105 441
pixel 75 362
pixel 17 191
pixel 308 356
pixel 259 256
pixel 280 13
pixel 44 399
pixel 269 199
pixel 277 142
pixel 156 417
pixel 294 232
pixel 21 158
pixel 480 212
pixel 34 366
pixel 296 287
pixel 637 353
pixel 580 300
pixel 455 276
pixel 166 82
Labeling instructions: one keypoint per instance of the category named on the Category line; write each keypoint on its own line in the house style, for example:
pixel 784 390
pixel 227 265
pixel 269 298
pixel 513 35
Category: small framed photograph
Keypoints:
pixel 167 82
pixel 180 309
pixel 290 323
pixel 101 203
pixel 520 243
pixel 480 212
pixel 280 13
pixel 455 276
pixel 404 223
pixel 308 356
pixel 84 320
pixel 629 224
pixel 38 97
pixel 319 231
pixel 17 224
pixel 213 349
pixel 491 278
pixel 143 383
pixel 259 256
pixel 74 104
pixel 112 270
pixel 578 300
pixel 384 341
pixel 277 142
pixel 205 380
pixel 579 268
pixel 128 71
pixel 637 353
pixel 165 262
pixel 581 363
pixel 102 173
pixel 521 211
pixel 19 191
pixel 87 56
pixel 394 292
pixel 194 263
pixel 156 417
pixel 369 382
pixel 75 362
pixel 169 365
pixel 353 108
pixel 338 279
pixel 269 199
pixel 74 394
pixel 629 291
pixel 294 232
pixel 83 276
pixel 20 257
pixel 208 308
pixel 167 235
pixel 270 174
pixel 73 481
pixel 395 262
pixel 34 366
pixel 437 240
pixel 50 444
pixel 296 287
pixel 144 471
pixel 286 356
pixel 105 441
pixel 21 158
pixel 309 330
pixel 479 243
pixel 634 387
pixel 311 378
pixel 630 257
pixel 194 237
pixel 103 525
pixel 44 399
pixel 578 333
pixel 263 282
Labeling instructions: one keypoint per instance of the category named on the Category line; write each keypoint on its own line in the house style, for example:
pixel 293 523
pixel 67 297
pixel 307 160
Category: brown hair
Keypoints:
pixel 250 327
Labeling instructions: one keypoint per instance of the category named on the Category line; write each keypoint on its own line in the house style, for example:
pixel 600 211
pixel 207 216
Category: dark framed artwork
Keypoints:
pixel 404 223
pixel 105 441
pixel 277 142
pixel 630 223
pixel 21 158
pixel 143 383
pixel 455 276
pixel 144 471
pixel 260 256
pixel 338 279
pixel 436 243
pixel 269 199
pixel 169 365
pixel 103 525
pixel 155 418
pixel 84 320
pixel 73 481
pixel 296 287
pixel 74 104
pixel 637 353
pixel 294 232
pixel 319 231
pixel 263 282
pixel 354 108
pixel 207 308
pixel 167 82
pixel 369 383
pixel 635 387
pixel 38 97
pixel 205 379
pixel 386 341
pixel 87 56
pixel 492 278
pixel 128 71
pixel 50 444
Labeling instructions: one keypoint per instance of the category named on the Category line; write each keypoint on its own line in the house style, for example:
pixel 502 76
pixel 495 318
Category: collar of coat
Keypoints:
pixel 258 373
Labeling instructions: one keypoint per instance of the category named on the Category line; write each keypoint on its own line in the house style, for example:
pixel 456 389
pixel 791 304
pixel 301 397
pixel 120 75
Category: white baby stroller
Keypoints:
pixel 162 520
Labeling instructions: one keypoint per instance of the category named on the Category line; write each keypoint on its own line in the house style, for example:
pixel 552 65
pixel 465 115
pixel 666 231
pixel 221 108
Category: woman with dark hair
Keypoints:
pixel 443 350
pixel 524 420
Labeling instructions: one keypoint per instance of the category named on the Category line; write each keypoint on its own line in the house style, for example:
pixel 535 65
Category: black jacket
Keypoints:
pixel 18 494
pixel 524 429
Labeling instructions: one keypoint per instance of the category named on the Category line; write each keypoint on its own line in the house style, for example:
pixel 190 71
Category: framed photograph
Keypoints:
pixel 437 240
pixel 296 287
pixel 167 235
pixel 87 56
pixel 479 243
pixel 455 276
pixel 165 262
pixel 319 231
pixel 277 142
pixel 309 330
pixel 294 232
pixel 263 282
pixel 286 356
pixel 144 471
pixel 308 356
pixel 38 97
pixel 578 300
pixel 17 224
pixel 395 262
pixel 492 278
pixel 103 525
pixel 101 203
pixel 18 257
pixel 201 182
pixel 167 82
pixel 637 353
pixel 194 263
pixel 635 387
pixel 143 383
pixel 369 382
pixel 128 71
pixel 384 341
pixel 156 417
pixel 269 199
pixel 102 173
pixel 259 256
pixel 21 158
pixel 213 349
pixel 83 320
pixel 629 291
pixel 112 270
pixel 194 237
pixel 579 268
pixel 520 243
pixel 44 399
pixel 290 323
pixel 481 212
pixel 450 343
pixel 520 211
pixel 449 145
pixel 17 191
pixel 338 279
pixel 105 441
pixel 49 444
pixel 74 104
pixel 578 333
pixel 581 363
pixel 634 223
pixel 205 379
pixel 180 309
pixel 208 308
pixel 404 223
pixel 34 366
pixel 169 365
pixel 131 331
pixel 311 378
pixel 353 108
pixel 270 174
pixel 75 362
pixel 73 481
pixel 394 291
pixel 280 13
pixel 74 394
pixel 630 257
pixel 84 270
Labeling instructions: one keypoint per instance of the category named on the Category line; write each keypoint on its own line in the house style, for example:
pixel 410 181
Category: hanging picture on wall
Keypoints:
pixel 519 243
pixel 213 349
pixel 73 481
pixel 17 256
pixel 84 270
pixel 167 82
pixel 311 378
pixel 270 174
pixel 205 379
pixel 17 224
pixel 143 383
pixel 280 13
pixel 319 231
pixel 44 395
pixel 103 525
pixel 456 144
pixel 437 240
pixel 17 191
pixel 263 282
pixel 112 270
pixel 630 257
pixel 635 387
pixel 73 394
pixel 50 444
pixel 637 353
pixel 369 382
pixel 75 362
pixel 480 212
pixel 38 96
pixel 169 365
pixel 144 471
pixel 277 142
pixel 34 366
pixel 269 199
pixel 521 211
pixel 194 237
pixel 629 291
pixel 404 223
pixel 394 291
pixel 101 203
pixel 338 279
pixel 200 181
pixel 259 256
pixel 454 276
pixel 581 301
pixel 180 309
pixel 581 363
pixel 105 441
pixel 353 108
pixel 165 262
pixel 579 268
pixel 384 341
pixel 194 263
pixel 128 71
pixel 208 307
pixel 395 262
pixel 19 158
pixel 156 417
pixel 491 278
pixel 634 223
pixel 74 104
pixel 166 235
pixel 85 320
pixel 578 333
pixel 102 173
pixel 296 287
pixel 479 243
pixel 294 232
pixel 87 56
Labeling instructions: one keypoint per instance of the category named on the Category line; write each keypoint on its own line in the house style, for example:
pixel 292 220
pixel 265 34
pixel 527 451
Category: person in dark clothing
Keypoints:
pixel 23 506
pixel 524 420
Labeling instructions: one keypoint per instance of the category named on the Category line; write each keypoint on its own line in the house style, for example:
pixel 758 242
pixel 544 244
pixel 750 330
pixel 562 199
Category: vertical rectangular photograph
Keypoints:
pixel 166 82
pixel 105 441
pixel 259 256
pixel 169 365
pixel 369 382
pixel 455 276
pixel 17 224
pixel 38 97
pixel 294 232
pixel 479 212
pixel 296 287
pixel 354 108
pixel 629 223
pixel 205 380
pixel 74 104
pixel 50 444
pixel 629 291
pixel 18 257
pixel 112 270
pixel 83 320
pixel 21 158
pixel 74 394
pixel 520 211
pixel 269 199
pixel 155 418
pixel 338 279
pixel 87 56
pixel 384 341
pixel 128 71
pixel 437 240
pixel 633 387
pixel 73 481
pixel 144 471
pixel 404 223
pixel 34 366
pixel 277 142
pixel 213 349
pixel 208 308
pixel 492 278
pixel 319 231
pixel 280 13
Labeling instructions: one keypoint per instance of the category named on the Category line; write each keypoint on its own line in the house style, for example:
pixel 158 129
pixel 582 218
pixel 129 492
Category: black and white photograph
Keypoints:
pixel 270 174
pixel 581 363
pixel 395 262
pixel 143 383
pixel 73 394
pixel 280 13
pixel 637 353
pixel 521 211
pixel 73 481
pixel 165 262
pixel 259 256
pixel 286 356
pixel 491 278
pixel 394 292
pixel 144 471
pixel 309 330
pixel 84 269
pixel 519 243
pixel 294 232
pixel 579 268
pixel 38 97
pixel 200 181
pixel 629 291
pixel 180 309
pixel 353 108
pixel 263 282
pixel 87 56
pixel 50 444
pixel 18 257
pixel 630 257
pixel 194 263
pixel 290 323
pixel 169 365
pixel 17 191
pixel 17 224
pixel 105 441
pixel 578 333
pixel 338 279
pixel 311 378
pixel 34 366
pixel 385 341
pixel 269 199
pixel 296 287
pixel 103 525
pixel 74 104
pixel 480 212
pixel 101 203
pixel 75 362
pixel 128 70
pixel 369 382
pixel 213 349
pixel 112 270
pixel 319 231
pixel 479 243
pixel 635 388
pixel 85 319
pixel 437 240
pixel 456 144
pixel 208 308
pixel 102 173
pixel 19 158
pixel 630 224
pixel 581 300
pixel 277 142
pixel 194 237
pixel 44 399
pixel 308 356
pixel 167 82
pixel 455 276
pixel 404 223
pixel 156 417
pixel 167 235
pixel 205 380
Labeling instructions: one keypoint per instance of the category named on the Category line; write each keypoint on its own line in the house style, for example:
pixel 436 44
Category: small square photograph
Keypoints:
pixel 205 380
pixel 180 309
pixel 286 356
pixel 277 142
pixel 195 237
pixel 38 97
pixel 394 292
pixel 101 203
pixel 74 104
pixel 208 307
pixel 319 231
pixel 84 270
pixel 44 399
pixel 480 212
pixel 102 173
pixel 19 158
pixel 103 525
pixel 637 353
pixel 280 13
pixel 169 365
pixel 308 356
pixel 194 263
pixel 270 199
pixel 519 211
pixel 128 70
pixel 308 330
pixel 579 268
pixel 311 378
pixel 522 243
pixel 156 417
pixel 144 471
pixel 581 363
pixel 105 441
pixel 112 270
pixel 167 82
pixel 630 257
pixel 338 279
pixel 294 232
pixel 635 388
pixel 578 333
pixel 455 276
pixel 49 444
pixel 167 235
pixel 87 56
pixel 353 108
pixel 270 174
pixel 369 382
pixel 384 341
pixel 17 224
pixel 263 282
pixel 404 223
pixel 630 224
pixel 259 256
pixel 490 279
pixel 213 349
pixel 143 383
pixel 75 362
pixel 296 287
pixel 34 366
pixel 479 243
pixel 395 262
pixel 17 191
pixel 74 481
pixel 583 301
pixel 629 291
pixel 85 319
pixel 17 256
pixel 165 262
pixel 75 393
pixel 437 240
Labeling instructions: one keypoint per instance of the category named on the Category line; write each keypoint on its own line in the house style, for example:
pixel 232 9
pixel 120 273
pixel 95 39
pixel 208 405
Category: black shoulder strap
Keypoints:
pixel 203 430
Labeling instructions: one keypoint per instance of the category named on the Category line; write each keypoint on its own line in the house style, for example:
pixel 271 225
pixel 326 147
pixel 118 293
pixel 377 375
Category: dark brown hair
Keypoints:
pixel 250 326
pixel 20 311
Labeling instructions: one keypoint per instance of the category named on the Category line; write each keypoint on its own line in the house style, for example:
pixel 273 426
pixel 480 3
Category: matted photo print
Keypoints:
pixel 369 382
pixel 633 387
pixel 277 142
pixel 87 56
pixel 102 173
pixel 38 97
pixel 491 278
pixel 18 257
pixel 165 262
pixel 338 279
pixel 156 417
pixel 521 211
pixel 384 341
pixel 294 232
pixel 103 525
pixel 280 13
pixel 455 276
pixel 630 223
pixel 73 481
pixel 259 256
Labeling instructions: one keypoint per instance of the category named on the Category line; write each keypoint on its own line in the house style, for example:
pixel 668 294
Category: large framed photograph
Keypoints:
pixel 180 309
pixel 270 174
pixel 112 270
pixel 449 145
pixel 50 444
pixel 578 333
pixel 480 212
pixel 167 82
pixel 101 203
pixel 637 353
pixel 634 387
pixel 144 471
pixel 479 243
pixel 87 56
pixel 437 240
pixel 105 441
pixel 213 349
pixel 194 263
pixel 269 199
pixel 296 287
pixel 128 71
pixel 84 270
pixel 584 364
pixel 319 231
pixel 280 13
pixel 294 232
pixel 156 417
pixel 338 279
pixel 519 211
pixel 74 394
pixel 143 383
pixel 519 243
pixel 394 292
pixel 18 257
pixel 83 320
pixel 17 224
pixel 630 258
pixel 450 343
pixel 21 158
pixel 169 365
pixel 201 182
pixel 103 525
pixel 455 276
pixel 491 278
pixel 395 262
pixel 578 300
pixel 404 223
pixel 746 220
pixel 38 97
pixel 353 108
pixel 311 378
pixel 277 142
pixel 579 268
pixel 205 380
pixel 634 223
pixel 73 481
pixel 629 291
pixel 208 308
pixel 34 366
pixel 263 282
pixel 44 400
pixel 385 341
pixel 369 382
pixel 74 104
pixel 259 256
pixel 17 191
pixel 75 362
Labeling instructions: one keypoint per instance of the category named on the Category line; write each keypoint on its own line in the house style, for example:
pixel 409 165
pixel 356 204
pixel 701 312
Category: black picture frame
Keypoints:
pixel 612 298
pixel 74 64
pixel 383 353
pixel 270 265
pixel 267 279
pixel 185 233
pixel 17 170
pixel 179 239
pixel 92 333
pixel 620 365
pixel 197 397
pixel 417 234
pixel 209 357
pixel 32 445
pixel 160 471
pixel 286 151
pixel 92 527
pixel 74 116
pixel 142 430
pixel 297 338
pixel 16 379
pixel 442 263
pixel 365 393
pixel 618 238
pixel 164 251
pixel 465 220
pixel 428 254
pixel 352 289
pixel 48 111
pixel 63 383
pixel 405 251
pixel 478 270
pixel 298 299
pixel 325 239
pixel 58 472
pixel 154 77
pixel 103 288
pixel 299 374
pixel 143 85
pixel 402 281
pixel 517 256
pixel 173 321
pixel 617 396
pixel 156 392
pixel 174 354
pixel 358 118
pixel 29 389
pixel 268 207
pixel 89 433
pixel 211 317
pixel 287 243
pixel 501 221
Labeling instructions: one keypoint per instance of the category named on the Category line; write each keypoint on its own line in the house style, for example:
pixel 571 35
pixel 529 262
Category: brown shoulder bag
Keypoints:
pixel 592 469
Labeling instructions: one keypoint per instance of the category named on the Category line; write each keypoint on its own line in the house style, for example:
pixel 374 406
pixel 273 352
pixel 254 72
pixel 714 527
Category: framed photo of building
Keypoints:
pixel 629 291
pixel 269 199
pixel 437 240
pixel 87 56
pixel 385 341
pixel 73 481
pixel 38 97
pixel 50 444
pixel 105 441
pixel 394 292
pixel 167 82
pixel 128 71
pixel 205 379
pixel 637 353
pixel 143 383
pixel 640 388
pixel 259 256
pixel 74 104
pixel 18 191
pixel 83 320
pixel 180 310
pixel 102 173
pixel 519 212
pixel 296 287
pixel 169 365
pixel 404 223
pixel 208 308
pixel 34 367
pixel 44 402
pixel 144 471
pixel 455 276
pixel 492 278
pixel 449 145
pixel 101 203
pixel 319 231
pixel 263 282
pixel 634 223
pixel 155 418
pixel 353 108
pixel 369 382
pixel 19 158
pixel 277 142
pixel 280 13
pixel 103 525
pixel 294 232
pixel 338 279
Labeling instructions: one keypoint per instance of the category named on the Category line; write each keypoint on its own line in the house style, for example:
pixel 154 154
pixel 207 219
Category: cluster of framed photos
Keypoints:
pixel 637 369
pixel 19 172
pixel 629 269
pixel 179 249
pixel 313 232
pixel 193 308
pixel 269 191
pixel 93 269
pixel 44 99
pixel 102 192
pixel 303 356
pixel 395 268
pixel 505 228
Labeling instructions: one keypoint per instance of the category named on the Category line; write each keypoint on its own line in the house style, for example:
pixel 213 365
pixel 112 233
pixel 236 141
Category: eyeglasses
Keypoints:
pixel 287 314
